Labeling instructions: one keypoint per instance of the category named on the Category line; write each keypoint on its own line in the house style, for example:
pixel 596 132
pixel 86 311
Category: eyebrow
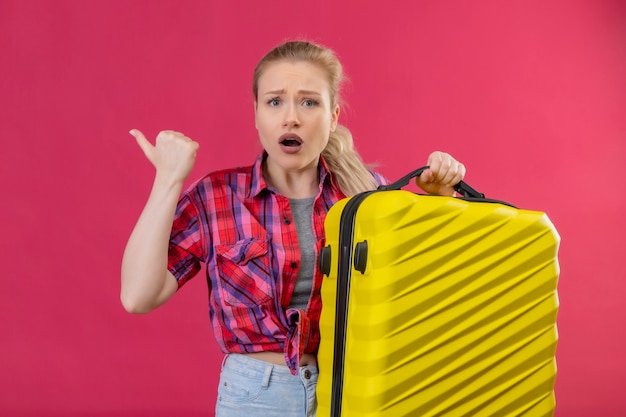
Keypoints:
pixel 282 91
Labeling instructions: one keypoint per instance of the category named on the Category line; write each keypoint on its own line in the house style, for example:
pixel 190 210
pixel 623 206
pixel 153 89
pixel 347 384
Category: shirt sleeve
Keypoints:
pixel 186 241
pixel 380 179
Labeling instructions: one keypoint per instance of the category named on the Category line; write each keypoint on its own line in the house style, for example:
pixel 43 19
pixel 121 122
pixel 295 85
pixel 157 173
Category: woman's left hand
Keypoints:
pixel 444 173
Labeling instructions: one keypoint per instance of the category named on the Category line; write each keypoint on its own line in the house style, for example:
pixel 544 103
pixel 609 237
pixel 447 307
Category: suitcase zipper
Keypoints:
pixel 344 273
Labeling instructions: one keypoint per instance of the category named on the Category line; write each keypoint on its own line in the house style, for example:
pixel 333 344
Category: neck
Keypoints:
pixel 292 184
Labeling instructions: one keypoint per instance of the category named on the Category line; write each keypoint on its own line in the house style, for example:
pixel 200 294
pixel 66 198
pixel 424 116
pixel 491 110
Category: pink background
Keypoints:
pixel 531 95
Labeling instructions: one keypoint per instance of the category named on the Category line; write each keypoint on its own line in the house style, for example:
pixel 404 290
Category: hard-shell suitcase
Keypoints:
pixel 437 306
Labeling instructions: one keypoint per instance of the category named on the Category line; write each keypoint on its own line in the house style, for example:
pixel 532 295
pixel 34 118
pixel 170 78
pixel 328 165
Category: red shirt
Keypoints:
pixel 245 234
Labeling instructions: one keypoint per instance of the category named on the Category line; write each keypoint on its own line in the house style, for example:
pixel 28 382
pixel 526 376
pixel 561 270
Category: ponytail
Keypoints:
pixel 345 164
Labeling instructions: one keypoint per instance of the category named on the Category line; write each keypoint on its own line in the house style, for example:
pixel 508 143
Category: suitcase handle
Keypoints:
pixel 462 187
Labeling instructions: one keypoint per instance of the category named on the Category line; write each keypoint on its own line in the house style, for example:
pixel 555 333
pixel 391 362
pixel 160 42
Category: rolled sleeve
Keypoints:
pixel 186 241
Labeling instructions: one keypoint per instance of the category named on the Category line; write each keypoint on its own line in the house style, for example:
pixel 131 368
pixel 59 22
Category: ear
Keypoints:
pixel 334 118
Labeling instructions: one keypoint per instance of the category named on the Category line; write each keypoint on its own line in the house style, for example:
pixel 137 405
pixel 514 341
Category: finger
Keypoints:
pixel 460 174
pixel 425 177
pixel 172 137
pixel 448 171
pixel 454 171
pixel 434 161
pixel 173 133
pixel 439 166
pixel 143 143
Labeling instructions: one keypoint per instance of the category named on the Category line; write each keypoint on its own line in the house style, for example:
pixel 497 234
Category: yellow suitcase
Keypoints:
pixel 437 306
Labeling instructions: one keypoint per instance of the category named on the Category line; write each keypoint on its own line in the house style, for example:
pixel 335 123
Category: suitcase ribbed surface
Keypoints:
pixel 455 314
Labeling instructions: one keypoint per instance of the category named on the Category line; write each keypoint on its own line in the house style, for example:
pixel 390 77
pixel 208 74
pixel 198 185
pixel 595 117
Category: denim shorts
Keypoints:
pixel 249 388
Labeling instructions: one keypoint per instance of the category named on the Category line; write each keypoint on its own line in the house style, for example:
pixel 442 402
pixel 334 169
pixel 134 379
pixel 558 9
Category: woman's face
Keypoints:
pixel 293 114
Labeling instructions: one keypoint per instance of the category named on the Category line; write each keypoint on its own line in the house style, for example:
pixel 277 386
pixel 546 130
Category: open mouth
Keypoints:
pixel 290 142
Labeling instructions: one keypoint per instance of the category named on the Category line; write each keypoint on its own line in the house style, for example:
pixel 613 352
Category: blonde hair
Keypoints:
pixel 344 162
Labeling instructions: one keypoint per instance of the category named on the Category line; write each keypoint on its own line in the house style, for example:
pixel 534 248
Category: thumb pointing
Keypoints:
pixel 143 143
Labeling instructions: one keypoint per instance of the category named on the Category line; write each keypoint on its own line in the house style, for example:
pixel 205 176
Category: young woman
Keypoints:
pixel 259 230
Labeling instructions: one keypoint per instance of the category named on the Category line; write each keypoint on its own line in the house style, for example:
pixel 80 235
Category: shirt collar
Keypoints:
pixel 258 184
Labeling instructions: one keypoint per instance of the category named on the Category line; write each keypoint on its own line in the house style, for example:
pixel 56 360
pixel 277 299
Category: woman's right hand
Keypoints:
pixel 146 281
pixel 173 154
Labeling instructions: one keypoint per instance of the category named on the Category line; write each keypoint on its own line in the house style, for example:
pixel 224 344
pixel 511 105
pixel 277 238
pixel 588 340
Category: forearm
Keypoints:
pixel 146 282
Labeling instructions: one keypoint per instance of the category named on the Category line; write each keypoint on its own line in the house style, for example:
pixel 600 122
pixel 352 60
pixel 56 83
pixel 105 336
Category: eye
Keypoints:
pixel 307 102
pixel 274 102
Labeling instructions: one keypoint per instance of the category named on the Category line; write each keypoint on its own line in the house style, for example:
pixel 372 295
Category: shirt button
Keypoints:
pixel 294 265
pixel 307 374
pixel 287 220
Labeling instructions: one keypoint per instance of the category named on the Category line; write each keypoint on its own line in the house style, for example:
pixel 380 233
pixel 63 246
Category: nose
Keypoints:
pixel 292 118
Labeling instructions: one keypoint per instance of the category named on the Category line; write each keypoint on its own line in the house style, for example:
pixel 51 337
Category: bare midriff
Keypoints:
pixel 278 358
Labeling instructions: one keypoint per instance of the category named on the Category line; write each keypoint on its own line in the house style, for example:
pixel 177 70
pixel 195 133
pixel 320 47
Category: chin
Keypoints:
pixel 294 162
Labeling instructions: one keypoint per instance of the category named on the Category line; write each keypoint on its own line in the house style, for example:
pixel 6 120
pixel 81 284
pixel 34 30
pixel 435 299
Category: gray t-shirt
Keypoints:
pixel 302 209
